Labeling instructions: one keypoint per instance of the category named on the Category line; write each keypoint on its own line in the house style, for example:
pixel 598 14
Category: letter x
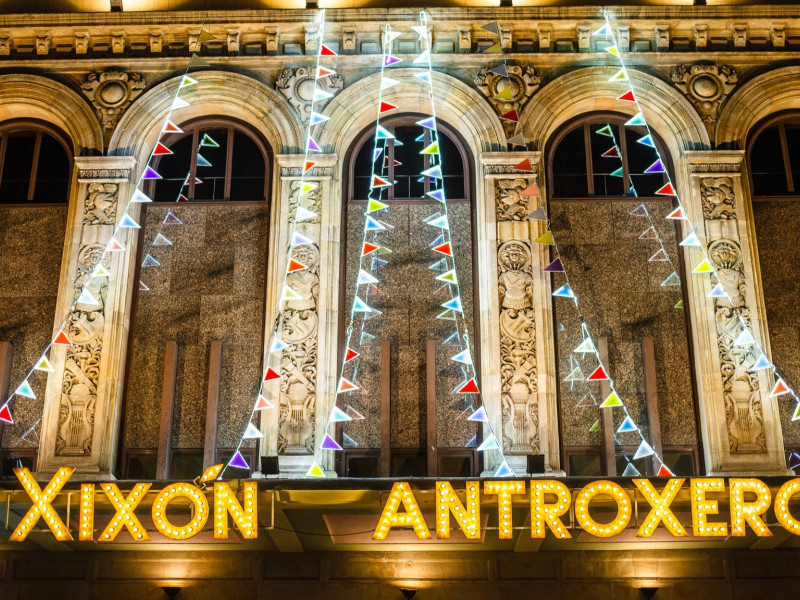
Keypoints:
pixel 660 511
pixel 124 515
pixel 41 504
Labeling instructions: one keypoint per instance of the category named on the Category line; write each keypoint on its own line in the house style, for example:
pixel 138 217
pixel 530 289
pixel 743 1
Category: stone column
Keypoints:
pixel 308 323
pixel 84 395
pixel 518 356
pixel 740 423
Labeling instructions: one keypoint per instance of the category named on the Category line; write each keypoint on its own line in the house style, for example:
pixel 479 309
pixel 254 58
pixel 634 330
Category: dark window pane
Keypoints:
pixel 453 169
pixel 174 170
pixel 407 174
pixel 606 184
pixel 793 144
pixel 141 467
pixel 52 176
pixel 17 167
pixel 766 165
pixel 680 463
pixel 186 465
pixel 247 172
pixel 584 465
pixel 569 167
pixel 213 176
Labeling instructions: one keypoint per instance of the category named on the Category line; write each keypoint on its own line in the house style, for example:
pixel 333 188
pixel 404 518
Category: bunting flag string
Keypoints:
pixel 270 382
pixel 723 289
pixel 443 245
pixel 89 297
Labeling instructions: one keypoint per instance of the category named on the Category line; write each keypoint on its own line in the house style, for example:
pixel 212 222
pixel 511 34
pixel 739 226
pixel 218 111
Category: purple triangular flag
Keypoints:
pixel 328 443
pixel 554 267
pixel 312 145
pixel 656 167
pixel 149 173
pixel 238 461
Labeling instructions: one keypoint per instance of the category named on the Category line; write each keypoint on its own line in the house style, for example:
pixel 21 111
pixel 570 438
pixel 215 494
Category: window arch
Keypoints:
pixel 409 298
pixel 596 180
pixel 213 159
pixel 35 164
pixel 773 163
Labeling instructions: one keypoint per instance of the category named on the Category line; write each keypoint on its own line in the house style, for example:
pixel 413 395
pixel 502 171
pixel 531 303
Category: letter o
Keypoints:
pixel 167 495
pixel 782 498
pixel 598 488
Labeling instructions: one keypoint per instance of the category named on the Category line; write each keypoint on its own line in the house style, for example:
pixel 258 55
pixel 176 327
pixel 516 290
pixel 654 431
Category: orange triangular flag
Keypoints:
pixel 664 471
pixel 62 338
pixel 346 386
pixel 271 374
pixel 531 190
pixel 445 249
pixel 525 165
pixel 368 248
pixel 308 165
pixel 263 403
pixel 296 266
pixel 779 389
pixel 170 127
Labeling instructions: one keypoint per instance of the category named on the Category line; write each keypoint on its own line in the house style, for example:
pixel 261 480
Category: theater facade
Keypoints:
pixel 380 301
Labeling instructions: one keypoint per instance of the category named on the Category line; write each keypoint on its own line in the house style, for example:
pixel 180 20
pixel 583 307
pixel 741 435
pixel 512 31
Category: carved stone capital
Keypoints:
pixel 707 87
pixel 700 36
pixel 5 44
pixel 43 42
pixel 778 35
pixel 118 42
pixel 524 82
pixel 156 42
pixel 545 31
pixel 194 39
pixel 349 40
pixel 584 37
pixel 297 85
pixel 662 37
pixel 111 92
pixel 740 35
pixel 233 39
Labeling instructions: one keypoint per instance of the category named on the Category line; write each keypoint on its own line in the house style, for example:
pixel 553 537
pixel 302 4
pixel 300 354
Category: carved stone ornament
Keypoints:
pixel 518 369
pixel 272 40
pixel 743 408
pixel 510 204
pixel 349 40
pixel 233 40
pixel 5 44
pixel 82 41
pixel 156 41
pixel 718 198
pixel 297 85
pixel 524 82
pixel 111 92
pixel 545 31
pixel 118 42
pixel 43 43
pixel 464 40
pixel 100 204
pixel 311 40
pixel 707 87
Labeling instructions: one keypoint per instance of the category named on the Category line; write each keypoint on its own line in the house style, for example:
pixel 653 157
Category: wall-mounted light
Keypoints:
pixel 116 5
pixel 408 593
pixel 648 592
pixel 171 590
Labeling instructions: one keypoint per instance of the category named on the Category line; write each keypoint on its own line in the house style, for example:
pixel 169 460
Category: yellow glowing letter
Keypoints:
pixel 401 494
pixel 782 498
pixel 504 490
pixel 749 512
pixel 701 507
pixel 608 488
pixel 124 515
pixel 542 513
pixel 243 517
pixel 86 522
pixel 168 494
pixel 660 511
pixel 467 518
pixel 41 504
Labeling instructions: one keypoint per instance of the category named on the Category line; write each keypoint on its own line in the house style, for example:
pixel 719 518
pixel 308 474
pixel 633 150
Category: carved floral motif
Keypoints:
pixel 524 82
pixel 111 92
pixel 718 198
pixel 706 87
pixel 297 85
pixel 100 204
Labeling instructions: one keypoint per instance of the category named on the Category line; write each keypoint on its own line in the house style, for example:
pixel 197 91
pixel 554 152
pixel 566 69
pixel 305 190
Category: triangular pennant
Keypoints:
pixel 595 426
pixel 618 173
pixel 127 221
pixel 143 287
pixel 177 104
pixel 462 357
pixel 388 60
pixel 678 304
pixel 546 238
pixel 492 27
pixel 531 190
pixel 208 141
pixel 187 81
pixel 511 115
pixel 44 365
pixel 238 461
pixel 206 37
pixel 368 248
pixel 762 363
pixel 100 271
pixel 354 414
pixel 505 94
pixel 504 470
pixel 639 211
pixel 383 134
pixel 479 415
pixel 295 265
pixel 587 400
pixel 149 261
pixel 495 48
pixel 379 182
pixel 599 374
pixel 320 95
pixel 196 61
pixel 612 50
pixel 585 347
pixel 796 415
pixel 140 196
pixel 575 375
pixel 691 240
pixel 365 278
pixel 627 97
pixel 659 256
pixel 455 304
pixel 325 51
pixel 316 119
pixel 315 471
pixel 24 389
pixel 324 72
pixel 391 35
pixel 611 153
pixel 677 214
pixel 620 75
pixel 604 30
pixel 718 291
pixel 263 404
pixel 298 239
pixel 432 149
pixel 643 450
pixel 303 214
pixel 271 374
pixel 631 471
pixel 350 355
pixel 170 127
pixel 703 267
pixel 149 173
pixel 744 339
pixel 312 146
pixel 345 386
pixel 453 338
pixel 388 82
pixel 159 150
pixel 672 279
pixel 656 167
pixel 161 240
pixel 5 415
pixel 439 239
pixel 252 432
pixel 664 471
pixel 428 123
pixel 378 262
pixel 445 248
pixel 277 344
pixel 435 171
pixel 360 306
pixel 564 292
pixel 627 425
pixel 636 121
pixel 490 443
pixel 501 70
pixel 386 107
pixel 328 443
pixel 373 225
pixel 114 246
pixel 440 222
pixel 447 315
pixel 308 165
pixel 339 416
pixel 779 389
pixel 290 294
pixel 86 297
pixel 525 165
pixel 517 140
pixel 649 234
pixel 538 215
pixel 62 339
pixel 611 401
pixel 647 141
pixel 470 387
pixel 606 131
pixel 182 198
pixel 449 276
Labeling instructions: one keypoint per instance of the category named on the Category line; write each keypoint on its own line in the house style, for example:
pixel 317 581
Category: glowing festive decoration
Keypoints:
pixel 128 222
pixel 555 267
pixel 44 365
pixel 5 414
pixel 124 517
pixel 564 292
pixel 62 339
pixel 636 121
pixel 161 240
pixel 611 401
pixel 150 173
pixel 139 196
pixel 24 389
pixel 448 503
pixel 546 238
pixel 401 495
pixel 252 432
pixel 199 513
pixel 504 491
pixel 599 374
pixel 490 443
pixel 470 387
pixel 702 507
pixel 238 461
pixel 749 512
pixel 586 347
pixel 779 389
pixel 262 404
pixel 660 511
pixel 328 443
pixel 544 513
pixel 617 494
pixel 244 515
pixel 339 416
pixel 627 425
pixel 42 504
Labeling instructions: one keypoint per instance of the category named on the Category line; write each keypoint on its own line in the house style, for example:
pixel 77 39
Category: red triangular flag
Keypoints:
pixel 115 246
pixel 471 387
pixel 197 181
pixel 62 338
pixel 350 355
pixel 386 107
pixel 182 198
pixel 296 266
pixel 667 190
pixel 445 249
pixel 170 127
pixel 368 248
pixel 611 153
pixel 525 165
pixel 779 389
pixel 271 374
pixel 161 149
pixel 378 182
pixel 531 190
pixel 308 165
pixel 599 374
pixel 5 415
pixel 263 403
pixel 510 116
pixel 628 97
pixel 325 51
pixel 677 214
pixel 346 386
pixel 664 471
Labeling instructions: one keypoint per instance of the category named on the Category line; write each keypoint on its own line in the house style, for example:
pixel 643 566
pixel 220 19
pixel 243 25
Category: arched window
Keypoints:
pixel 198 312
pixel 616 267
pixel 773 153
pixel 35 164
pixel 212 159
pixel 416 411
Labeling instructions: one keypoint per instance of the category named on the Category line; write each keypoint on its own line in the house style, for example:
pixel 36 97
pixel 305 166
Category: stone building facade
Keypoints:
pixel 162 371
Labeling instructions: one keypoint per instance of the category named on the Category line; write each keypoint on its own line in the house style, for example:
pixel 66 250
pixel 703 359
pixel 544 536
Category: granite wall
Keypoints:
pixel 621 298
pixel 30 263
pixel 777 223
pixel 209 285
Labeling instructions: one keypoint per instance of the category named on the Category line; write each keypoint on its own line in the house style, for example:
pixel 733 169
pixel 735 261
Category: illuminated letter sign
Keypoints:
pixel 467 518
pixel 401 494
pixel 504 490
pixel 124 515
pixel 244 517
pixel 701 507
pixel 749 512
pixel 167 495
pixel 542 513
pixel 41 504
pixel 660 511
pixel 607 488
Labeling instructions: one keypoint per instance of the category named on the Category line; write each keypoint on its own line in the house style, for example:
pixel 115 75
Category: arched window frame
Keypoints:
pixel 779 121
pixel 231 125
pixel 39 128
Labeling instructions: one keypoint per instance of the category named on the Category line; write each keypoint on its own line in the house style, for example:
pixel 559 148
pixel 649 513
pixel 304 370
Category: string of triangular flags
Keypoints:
pixel 746 338
pixel 87 296
pixel 587 347
pixel 358 337
pixel 272 375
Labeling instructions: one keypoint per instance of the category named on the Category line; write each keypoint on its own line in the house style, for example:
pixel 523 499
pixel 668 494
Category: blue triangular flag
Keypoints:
pixel 24 389
pixel 564 292
pixel 429 123
pixel 479 415
pixel 127 221
pixel 462 357
pixel 647 141
pixel 627 425
pixel 762 363
pixel 373 225
pixel 455 304
pixel 435 171
pixel 504 470
pixel 149 261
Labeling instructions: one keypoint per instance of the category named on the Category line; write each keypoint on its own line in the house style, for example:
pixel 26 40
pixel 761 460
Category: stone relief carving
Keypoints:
pixel 233 40
pixel 100 204
pixel 156 41
pixel 5 44
pixel 662 37
pixel 706 87
pixel 700 36
pixel 349 40
pixel 43 42
pixel 718 199
pixel 298 391
pixel 311 39
pixel 518 369
pixel 311 200
pixel 297 86
pixel 743 410
pixel 464 40
pixel 545 31
pixel 778 35
pixel 524 82
pixel 510 204
pixel 118 42
pixel 624 38
pixel 111 92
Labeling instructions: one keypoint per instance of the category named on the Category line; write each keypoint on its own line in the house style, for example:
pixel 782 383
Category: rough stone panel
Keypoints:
pixel 527 569
pixel 64 568
pixel 34 235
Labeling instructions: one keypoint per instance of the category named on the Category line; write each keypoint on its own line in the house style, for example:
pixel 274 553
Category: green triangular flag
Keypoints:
pixel 208 141
pixel 678 304
pixel 605 130
pixel 546 238
pixel 505 94
pixel 374 205
pixel 449 277
pixel 432 149
pixel 449 314
pixel 206 37
pixel 611 401
pixel 595 426
pixel 575 375
pixel 315 471
pixel 197 62
pixel 703 267
pixel 44 365
pixel 585 347
pixel 796 415
pixel 495 48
